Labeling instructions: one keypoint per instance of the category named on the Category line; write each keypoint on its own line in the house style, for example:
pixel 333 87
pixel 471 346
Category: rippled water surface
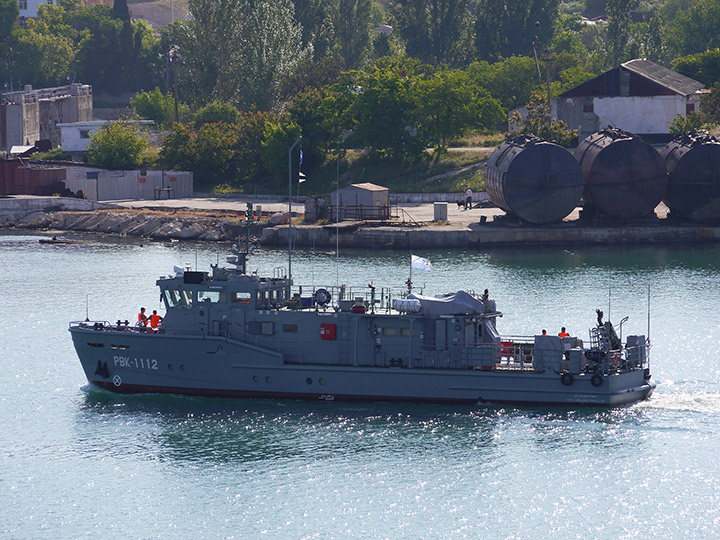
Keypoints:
pixel 77 462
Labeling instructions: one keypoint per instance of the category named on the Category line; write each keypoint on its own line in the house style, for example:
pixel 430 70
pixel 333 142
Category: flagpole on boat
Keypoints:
pixel 290 214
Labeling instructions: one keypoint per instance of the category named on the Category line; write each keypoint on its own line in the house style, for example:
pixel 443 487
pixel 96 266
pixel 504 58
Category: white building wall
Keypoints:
pixel 639 114
pixel 29 8
pixel 76 138
pixel 104 185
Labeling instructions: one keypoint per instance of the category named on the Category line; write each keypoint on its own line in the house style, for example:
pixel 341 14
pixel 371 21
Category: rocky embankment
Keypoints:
pixel 181 225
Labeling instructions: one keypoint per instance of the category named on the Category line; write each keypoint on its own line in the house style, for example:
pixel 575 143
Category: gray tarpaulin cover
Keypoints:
pixel 455 304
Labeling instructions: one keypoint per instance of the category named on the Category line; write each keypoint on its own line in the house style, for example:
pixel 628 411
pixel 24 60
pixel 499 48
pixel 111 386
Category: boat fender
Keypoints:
pixel 596 380
pixel 567 379
pixel 322 297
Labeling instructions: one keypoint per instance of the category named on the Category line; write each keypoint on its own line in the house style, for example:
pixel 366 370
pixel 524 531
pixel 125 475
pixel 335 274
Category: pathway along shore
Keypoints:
pixel 223 219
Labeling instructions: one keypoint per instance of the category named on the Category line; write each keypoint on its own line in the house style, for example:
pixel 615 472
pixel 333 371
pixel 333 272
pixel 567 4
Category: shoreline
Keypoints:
pixel 202 219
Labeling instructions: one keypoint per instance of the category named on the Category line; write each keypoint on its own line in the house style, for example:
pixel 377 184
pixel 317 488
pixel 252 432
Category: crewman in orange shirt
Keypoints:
pixel 142 318
pixel 563 333
pixel 155 320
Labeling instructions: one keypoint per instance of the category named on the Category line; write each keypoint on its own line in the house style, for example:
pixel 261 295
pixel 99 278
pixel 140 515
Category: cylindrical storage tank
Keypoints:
pixel 537 180
pixel 693 164
pixel 624 176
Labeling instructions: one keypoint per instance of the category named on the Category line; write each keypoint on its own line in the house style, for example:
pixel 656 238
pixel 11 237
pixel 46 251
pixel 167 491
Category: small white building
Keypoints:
pixel 75 136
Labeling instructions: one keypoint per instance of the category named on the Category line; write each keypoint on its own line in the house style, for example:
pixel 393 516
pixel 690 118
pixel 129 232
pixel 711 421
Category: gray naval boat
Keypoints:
pixel 227 333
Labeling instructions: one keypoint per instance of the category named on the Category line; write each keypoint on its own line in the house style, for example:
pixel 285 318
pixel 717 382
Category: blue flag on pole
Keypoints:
pixel 300 157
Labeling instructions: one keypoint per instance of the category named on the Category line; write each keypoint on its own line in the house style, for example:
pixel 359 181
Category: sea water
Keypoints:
pixel 78 462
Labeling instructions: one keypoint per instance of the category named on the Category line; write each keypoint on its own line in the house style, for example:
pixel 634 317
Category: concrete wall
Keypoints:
pixel 19 124
pixel 642 115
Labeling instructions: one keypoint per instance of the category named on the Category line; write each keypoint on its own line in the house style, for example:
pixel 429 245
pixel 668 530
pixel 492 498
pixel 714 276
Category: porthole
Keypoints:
pixel 202 313
pixel 268 379
pixel 182 366
pixel 171 367
pixel 322 381
pixel 256 378
pixel 308 381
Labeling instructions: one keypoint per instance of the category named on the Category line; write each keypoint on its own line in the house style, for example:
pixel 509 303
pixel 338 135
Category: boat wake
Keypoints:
pixel 686 400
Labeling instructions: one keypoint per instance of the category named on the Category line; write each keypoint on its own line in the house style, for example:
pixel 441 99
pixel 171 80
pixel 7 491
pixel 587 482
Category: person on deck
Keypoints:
pixel 142 318
pixel 155 320
pixel 468 199
pixel 563 333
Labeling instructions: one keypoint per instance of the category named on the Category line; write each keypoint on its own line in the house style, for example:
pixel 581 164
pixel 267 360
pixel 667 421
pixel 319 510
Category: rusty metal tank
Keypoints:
pixel 534 179
pixel 624 176
pixel 693 164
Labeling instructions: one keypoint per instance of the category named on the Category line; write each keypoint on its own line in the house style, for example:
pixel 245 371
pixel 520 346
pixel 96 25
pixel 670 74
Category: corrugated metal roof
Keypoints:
pixel 668 78
pixel 369 187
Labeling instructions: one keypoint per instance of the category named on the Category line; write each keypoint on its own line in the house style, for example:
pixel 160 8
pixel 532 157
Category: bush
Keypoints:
pixel 119 145
pixel 158 107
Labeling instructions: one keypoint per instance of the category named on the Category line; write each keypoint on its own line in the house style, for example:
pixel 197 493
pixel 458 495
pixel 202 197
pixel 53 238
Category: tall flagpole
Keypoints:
pixel 290 214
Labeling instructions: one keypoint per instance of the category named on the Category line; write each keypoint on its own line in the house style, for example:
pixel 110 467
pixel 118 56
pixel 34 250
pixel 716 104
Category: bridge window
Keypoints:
pixel 240 297
pixel 212 296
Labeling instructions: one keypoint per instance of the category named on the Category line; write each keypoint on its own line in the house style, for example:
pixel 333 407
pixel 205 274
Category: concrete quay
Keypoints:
pixel 358 235
pixel 474 228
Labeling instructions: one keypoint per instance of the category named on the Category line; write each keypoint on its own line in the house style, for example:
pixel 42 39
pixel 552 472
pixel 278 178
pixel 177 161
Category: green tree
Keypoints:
pixel 306 110
pixel 710 105
pixel 238 52
pixel 159 107
pixel 211 44
pixel 8 35
pixel 683 124
pixel 218 152
pixel 41 58
pixel 217 111
pixel 385 115
pixel 279 137
pixel 694 29
pixel 435 31
pixel 317 19
pixel 618 30
pixel 451 106
pixel 119 145
pixel 703 67
pixel 540 122
pixel 511 81
pixel 354 30
pixel 274 49
pixel 121 10
pixel 505 28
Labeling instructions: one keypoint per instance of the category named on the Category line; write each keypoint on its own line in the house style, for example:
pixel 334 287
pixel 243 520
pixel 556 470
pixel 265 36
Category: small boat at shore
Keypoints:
pixel 60 241
pixel 227 333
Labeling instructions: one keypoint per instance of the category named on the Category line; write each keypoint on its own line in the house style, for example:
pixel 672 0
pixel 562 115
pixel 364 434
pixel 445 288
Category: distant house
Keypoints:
pixel 639 96
pixel 75 136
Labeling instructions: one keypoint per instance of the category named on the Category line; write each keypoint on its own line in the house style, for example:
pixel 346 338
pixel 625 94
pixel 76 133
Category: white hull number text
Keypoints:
pixel 137 363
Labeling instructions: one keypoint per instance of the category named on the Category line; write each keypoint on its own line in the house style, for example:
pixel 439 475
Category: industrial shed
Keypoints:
pixel 360 201
pixel 638 96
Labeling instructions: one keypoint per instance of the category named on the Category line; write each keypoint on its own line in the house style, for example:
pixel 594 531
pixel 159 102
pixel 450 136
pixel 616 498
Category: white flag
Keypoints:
pixel 301 178
pixel 418 263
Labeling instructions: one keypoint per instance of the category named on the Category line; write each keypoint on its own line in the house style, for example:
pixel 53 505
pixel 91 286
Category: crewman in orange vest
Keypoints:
pixel 155 320
pixel 563 333
pixel 142 318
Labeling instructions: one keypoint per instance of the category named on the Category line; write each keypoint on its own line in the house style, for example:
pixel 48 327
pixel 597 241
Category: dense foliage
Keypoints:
pixel 394 77
pixel 119 145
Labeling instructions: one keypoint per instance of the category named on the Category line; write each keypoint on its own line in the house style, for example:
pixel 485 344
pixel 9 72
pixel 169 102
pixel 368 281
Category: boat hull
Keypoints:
pixel 217 367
